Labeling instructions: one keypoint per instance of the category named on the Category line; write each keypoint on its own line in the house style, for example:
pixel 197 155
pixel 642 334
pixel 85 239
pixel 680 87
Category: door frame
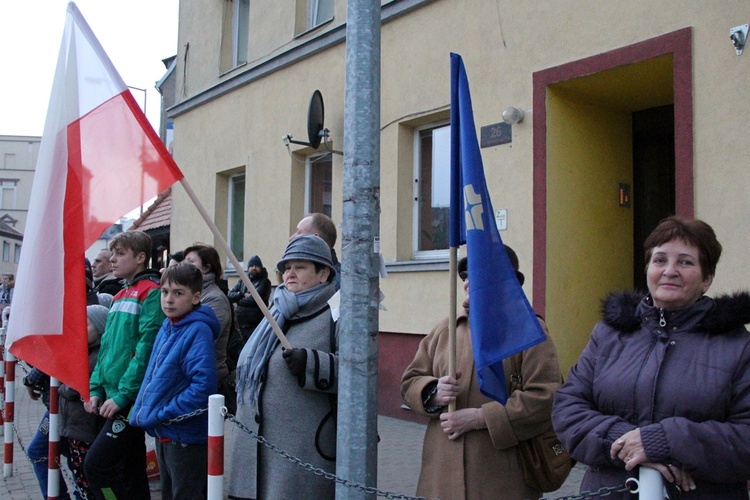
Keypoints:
pixel 679 44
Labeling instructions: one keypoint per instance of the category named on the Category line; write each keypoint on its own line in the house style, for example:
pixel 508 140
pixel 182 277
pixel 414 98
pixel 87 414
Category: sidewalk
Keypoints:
pixel 399 454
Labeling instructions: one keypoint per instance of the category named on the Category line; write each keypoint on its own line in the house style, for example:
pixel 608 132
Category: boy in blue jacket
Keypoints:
pixel 180 377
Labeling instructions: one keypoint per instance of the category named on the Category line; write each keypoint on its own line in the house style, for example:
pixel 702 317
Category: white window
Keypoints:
pixel 236 215
pixel 318 183
pixel 240 31
pixel 8 193
pixel 319 12
pixel 17 254
pixel 6 251
pixel 431 191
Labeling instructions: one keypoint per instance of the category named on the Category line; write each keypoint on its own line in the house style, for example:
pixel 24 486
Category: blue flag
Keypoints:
pixel 501 318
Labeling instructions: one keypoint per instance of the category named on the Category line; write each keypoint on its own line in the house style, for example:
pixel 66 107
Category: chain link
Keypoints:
pixel 318 472
pixel 601 492
pixel 180 418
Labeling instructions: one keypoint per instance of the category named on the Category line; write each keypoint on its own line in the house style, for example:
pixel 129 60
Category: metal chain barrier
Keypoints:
pixel 629 486
pixel 319 472
pixel 180 418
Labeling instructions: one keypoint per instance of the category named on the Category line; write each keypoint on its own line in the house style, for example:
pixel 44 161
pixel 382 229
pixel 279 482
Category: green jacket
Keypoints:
pixel 132 324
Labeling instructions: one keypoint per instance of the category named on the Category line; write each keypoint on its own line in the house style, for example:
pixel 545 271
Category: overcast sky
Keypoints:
pixel 136 34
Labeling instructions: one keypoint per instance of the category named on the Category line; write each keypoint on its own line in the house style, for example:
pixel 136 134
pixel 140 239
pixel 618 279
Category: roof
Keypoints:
pixel 159 214
pixel 7 230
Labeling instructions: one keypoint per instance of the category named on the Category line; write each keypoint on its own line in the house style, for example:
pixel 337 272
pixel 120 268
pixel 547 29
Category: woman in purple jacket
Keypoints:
pixel 664 381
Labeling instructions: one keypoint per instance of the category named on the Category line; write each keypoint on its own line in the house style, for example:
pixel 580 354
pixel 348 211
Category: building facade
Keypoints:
pixel 633 111
pixel 18 155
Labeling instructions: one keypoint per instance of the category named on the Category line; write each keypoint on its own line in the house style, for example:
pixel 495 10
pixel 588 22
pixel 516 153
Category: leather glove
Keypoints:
pixel 296 360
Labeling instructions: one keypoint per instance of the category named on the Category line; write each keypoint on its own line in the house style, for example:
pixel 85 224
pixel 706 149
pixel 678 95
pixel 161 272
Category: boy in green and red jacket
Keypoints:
pixel 116 463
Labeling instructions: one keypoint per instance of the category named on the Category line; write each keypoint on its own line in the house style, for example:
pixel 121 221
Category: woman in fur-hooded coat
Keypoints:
pixel 664 381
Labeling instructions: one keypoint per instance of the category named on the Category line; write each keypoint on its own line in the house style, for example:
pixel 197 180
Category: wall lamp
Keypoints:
pixel 513 115
pixel 738 35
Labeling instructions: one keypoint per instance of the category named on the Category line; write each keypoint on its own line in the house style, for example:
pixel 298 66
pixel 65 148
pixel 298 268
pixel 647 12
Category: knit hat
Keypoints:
pixel 105 299
pixel 308 247
pixel 98 317
pixel 254 261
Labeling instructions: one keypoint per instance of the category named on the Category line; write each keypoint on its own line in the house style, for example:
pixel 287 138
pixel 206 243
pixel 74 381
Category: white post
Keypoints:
pixel 215 447
pixel 650 484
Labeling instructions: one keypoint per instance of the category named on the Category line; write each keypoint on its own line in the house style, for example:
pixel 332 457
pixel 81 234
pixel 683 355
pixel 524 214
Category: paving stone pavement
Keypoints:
pixel 399 454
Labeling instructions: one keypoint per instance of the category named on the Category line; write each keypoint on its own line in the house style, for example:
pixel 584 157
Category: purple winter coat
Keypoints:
pixel 685 385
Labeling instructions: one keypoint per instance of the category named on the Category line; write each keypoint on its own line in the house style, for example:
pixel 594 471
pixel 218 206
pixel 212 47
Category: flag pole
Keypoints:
pixel 452 321
pixel 241 272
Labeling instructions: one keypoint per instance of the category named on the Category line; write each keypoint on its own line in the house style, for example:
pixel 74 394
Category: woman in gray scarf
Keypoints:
pixel 289 396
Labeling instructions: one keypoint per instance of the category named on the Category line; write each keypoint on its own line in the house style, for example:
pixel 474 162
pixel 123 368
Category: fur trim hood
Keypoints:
pixel 723 313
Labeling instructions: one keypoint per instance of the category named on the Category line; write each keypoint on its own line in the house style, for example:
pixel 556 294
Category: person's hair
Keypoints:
pixel 177 256
pixel 209 257
pixel 324 226
pixel 184 274
pixel 319 267
pixel 107 252
pixel 692 232
pixel 137 241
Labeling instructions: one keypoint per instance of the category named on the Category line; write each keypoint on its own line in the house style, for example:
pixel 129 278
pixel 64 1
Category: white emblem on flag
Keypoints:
pixel 474 208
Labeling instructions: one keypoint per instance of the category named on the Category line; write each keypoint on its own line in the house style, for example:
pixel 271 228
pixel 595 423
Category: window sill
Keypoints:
pixel 412 266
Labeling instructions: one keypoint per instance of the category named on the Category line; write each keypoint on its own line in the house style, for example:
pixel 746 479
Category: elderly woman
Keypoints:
pixel 472 452
pixel 289 396
pixel 206 258
pixel 664 381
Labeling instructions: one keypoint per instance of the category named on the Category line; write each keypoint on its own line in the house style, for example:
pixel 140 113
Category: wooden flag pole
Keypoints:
pixel 241 272
pixel 452 321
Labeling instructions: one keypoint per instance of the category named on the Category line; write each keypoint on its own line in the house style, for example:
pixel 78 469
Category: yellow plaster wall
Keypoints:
pixel 589 237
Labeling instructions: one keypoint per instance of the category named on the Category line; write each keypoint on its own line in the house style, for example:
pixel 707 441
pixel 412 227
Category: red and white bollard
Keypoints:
pixel 53 453
pixel 215 447
pixel 2 376
pixel 10 398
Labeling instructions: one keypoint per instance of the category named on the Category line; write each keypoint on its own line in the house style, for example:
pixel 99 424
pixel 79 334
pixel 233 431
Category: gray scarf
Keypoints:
pixel 254 357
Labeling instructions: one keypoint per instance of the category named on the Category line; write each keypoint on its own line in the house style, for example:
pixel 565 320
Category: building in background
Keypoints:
pixel 18 155
pixel 624 122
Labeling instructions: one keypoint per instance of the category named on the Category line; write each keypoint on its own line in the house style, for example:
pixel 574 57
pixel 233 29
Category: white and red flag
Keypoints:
pixel 99 159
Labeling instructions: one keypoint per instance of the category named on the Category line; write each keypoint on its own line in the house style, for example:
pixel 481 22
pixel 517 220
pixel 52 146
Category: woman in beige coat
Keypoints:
pixel 471 453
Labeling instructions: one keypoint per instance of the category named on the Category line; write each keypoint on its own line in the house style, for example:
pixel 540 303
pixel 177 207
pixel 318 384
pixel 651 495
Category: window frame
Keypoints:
pixel 240 32
pixel 310 161
pixel 231 222
pixel 438 254
pixel 313 13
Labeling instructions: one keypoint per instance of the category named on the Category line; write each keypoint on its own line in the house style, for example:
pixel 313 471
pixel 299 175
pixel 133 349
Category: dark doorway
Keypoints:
pixel 653 178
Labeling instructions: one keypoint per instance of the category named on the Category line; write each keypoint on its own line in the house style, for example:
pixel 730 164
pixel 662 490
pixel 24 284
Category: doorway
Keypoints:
pixel 619 122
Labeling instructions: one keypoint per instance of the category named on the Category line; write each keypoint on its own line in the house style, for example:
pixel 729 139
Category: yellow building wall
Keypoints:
pixel 503 43
pixel 589 237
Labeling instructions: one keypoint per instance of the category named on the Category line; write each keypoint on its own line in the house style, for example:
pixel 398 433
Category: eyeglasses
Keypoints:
pixel 464 275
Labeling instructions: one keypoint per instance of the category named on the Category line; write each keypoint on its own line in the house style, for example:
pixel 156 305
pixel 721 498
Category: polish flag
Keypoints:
pixel 99 159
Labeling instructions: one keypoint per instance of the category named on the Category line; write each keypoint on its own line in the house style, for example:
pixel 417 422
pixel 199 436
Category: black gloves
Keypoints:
pixel 296 360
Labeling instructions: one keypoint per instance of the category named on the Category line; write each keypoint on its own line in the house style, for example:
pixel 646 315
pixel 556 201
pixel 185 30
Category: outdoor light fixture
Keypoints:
pixel 513 115
pixel 738 35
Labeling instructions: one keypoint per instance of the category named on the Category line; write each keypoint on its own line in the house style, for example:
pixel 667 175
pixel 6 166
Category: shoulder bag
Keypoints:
pixel 546 464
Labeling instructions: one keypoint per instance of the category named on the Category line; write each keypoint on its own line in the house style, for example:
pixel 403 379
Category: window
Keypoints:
pixel 240 30
pixel 235 34
pixel 6 251
pixel 9 160
pixel 236 215
pixel 17 254
pixel 431 191
pixel 318 12
pixel 8 193
pixel 318 183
